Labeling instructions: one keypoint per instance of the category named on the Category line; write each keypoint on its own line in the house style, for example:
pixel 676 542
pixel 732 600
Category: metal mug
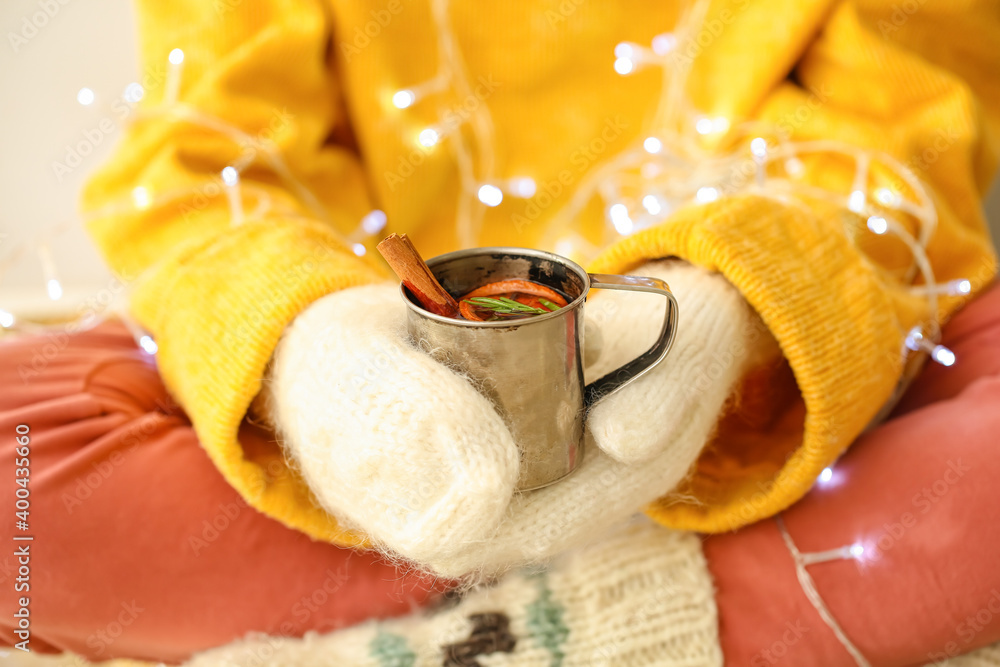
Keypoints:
pixel 532 368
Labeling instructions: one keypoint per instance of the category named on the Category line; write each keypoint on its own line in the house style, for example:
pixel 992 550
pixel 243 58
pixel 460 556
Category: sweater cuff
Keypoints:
pixel 217 309
pixel 841 332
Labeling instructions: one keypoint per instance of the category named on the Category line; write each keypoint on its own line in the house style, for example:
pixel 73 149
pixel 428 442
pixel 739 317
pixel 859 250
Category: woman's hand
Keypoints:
pixel 406 450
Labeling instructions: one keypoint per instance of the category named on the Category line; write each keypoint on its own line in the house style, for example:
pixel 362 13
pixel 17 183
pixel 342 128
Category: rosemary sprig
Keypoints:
pixel 548 304
pixel 506 306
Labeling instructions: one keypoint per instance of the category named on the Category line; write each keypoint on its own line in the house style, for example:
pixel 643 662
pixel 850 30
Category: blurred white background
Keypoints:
pixel 53 49
pixel 44 62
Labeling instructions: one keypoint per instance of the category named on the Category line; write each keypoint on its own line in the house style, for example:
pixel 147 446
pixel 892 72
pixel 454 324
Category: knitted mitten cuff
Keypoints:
pixel 641 596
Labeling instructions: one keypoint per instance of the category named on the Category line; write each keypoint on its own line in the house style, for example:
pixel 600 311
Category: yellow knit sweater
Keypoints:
pixel 916 79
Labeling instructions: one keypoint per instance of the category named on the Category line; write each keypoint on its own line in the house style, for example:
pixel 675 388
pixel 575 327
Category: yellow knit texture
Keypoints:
pixel 314 80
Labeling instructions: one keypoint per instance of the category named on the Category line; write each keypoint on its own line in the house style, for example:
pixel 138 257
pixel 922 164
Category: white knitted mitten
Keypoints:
pixel 718 337
pixel 642 596
pixel 359 409
pixel 389 440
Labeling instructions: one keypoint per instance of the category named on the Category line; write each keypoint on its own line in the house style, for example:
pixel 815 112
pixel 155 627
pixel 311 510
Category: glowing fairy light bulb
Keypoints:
pixel 6 319
pixel 624 66
pixel 758 147
pixel 706 195
pixel 794 166
pixel 826 475
pixel 878 225
pixel 52 285
pixel 620 219
pixel 374 222
pixel 133 93
pixel 428 137
pixel 856 201
pixel 624 50
pixel 664 43
pixel 523 187
pixel 915 340
pixel 959 287
pixel 490 195
pixel 650 170
pixel 140 197
pixel 564 247
pixel 230 176
pixel 403 99
pixel 706 125
pixel 85 97
pixel 652 145
pixel 652 204
pixel 887 197
pixel 359 249
pixel 856 551
pixel 148 345
pixel 943 355
pixel 173 85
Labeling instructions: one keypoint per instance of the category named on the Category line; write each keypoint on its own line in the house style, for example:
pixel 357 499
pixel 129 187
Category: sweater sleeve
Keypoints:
pixel 258 93
pixel 913 81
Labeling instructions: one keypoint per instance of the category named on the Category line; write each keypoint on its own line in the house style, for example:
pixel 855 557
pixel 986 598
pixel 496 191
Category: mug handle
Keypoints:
pixel 646 361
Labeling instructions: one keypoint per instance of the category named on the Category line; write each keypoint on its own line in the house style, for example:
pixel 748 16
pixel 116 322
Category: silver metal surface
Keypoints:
pixel 532 369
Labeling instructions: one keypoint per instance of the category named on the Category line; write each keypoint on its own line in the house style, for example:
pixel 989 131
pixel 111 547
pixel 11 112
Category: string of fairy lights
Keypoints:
pixel 802 561
pixel 677 162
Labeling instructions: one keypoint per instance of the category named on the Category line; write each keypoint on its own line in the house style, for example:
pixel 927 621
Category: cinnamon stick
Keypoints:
pixel 398 251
